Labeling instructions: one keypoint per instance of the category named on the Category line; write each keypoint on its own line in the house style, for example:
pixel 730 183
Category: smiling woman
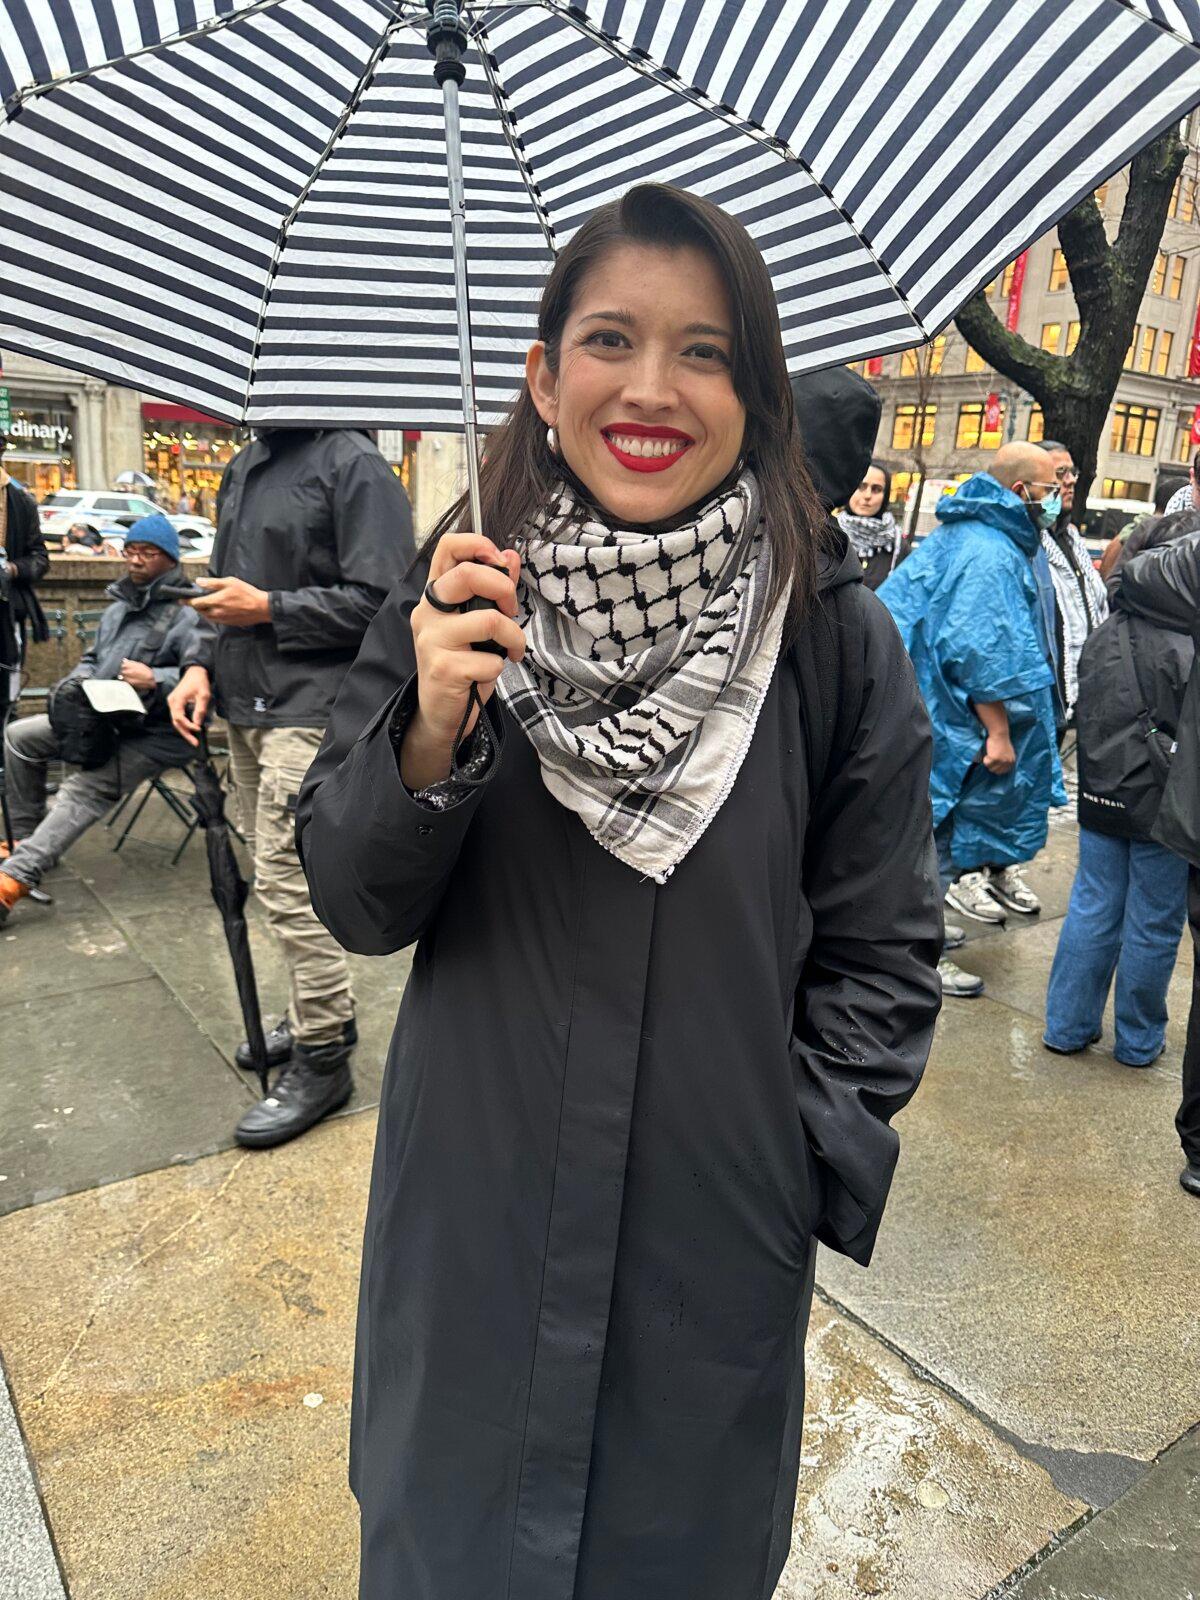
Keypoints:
pixel 668 988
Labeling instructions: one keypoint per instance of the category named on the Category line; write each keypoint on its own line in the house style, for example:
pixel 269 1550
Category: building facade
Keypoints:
pixel 945 409
pixel 67 431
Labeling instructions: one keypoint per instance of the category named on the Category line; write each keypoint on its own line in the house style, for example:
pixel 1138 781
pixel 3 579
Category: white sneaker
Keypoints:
pixel 956 983
pixel 1009 887
pixel 972 895
pixel 955 938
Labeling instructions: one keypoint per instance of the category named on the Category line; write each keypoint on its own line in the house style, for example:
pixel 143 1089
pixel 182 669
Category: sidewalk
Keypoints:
pixel 1007 1402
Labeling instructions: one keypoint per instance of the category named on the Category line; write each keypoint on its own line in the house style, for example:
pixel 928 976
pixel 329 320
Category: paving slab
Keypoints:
pixel 28 1570
pixel 903 1492
pixel 224 1417
pixel 46 951
pixel 1146 1547
pixel 1038 1254
pixel 1016 968
pixel 103 1083
pixel 192 1345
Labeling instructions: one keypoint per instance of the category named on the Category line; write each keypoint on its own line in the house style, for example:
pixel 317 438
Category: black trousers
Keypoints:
pixel 1188 1120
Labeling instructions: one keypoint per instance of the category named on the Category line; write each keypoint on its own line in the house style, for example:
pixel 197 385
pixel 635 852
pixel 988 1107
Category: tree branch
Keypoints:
pixel 1089 259
pixel 979 325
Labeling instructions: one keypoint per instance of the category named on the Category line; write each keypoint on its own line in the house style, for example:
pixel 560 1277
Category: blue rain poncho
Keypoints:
pixel 966 604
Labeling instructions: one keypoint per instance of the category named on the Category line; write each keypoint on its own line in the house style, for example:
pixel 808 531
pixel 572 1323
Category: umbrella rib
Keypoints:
pixel 202 29
pixel 517 149
pixel 399 21
pixel 694 96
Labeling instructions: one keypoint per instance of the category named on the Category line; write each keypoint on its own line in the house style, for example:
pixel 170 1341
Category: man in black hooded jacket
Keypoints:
pixel 313 529
pixel 1166 583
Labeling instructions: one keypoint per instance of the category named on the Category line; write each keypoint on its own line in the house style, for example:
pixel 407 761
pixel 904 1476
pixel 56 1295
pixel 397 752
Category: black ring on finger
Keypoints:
pixel 438 605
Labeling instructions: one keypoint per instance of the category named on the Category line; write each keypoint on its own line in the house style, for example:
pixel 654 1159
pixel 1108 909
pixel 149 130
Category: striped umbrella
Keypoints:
pixel 240 205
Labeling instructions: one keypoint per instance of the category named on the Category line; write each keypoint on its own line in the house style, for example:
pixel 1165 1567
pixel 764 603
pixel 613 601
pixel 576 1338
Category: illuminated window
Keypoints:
pixel 1037 425
pixel 1183 437
pixel 975 362
pixel 972 432
pixel 902 482
pixel 1133 344
pixel 1101 195
pixel 857 366
pixel 1059 276
pixel 1187 200
pixel 1158 280
pixel 921 358
pixel 1072 337
pixel 1134 429
pixel 1006 280
pixel 1125 489
pixel 1175 281
pixel 1173 207
pixel 1145 355
pixel 1051 337
pixel 1165 340
pixel 905 429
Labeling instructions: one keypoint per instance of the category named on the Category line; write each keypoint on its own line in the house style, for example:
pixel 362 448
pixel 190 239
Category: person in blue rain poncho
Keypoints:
pixel 970 608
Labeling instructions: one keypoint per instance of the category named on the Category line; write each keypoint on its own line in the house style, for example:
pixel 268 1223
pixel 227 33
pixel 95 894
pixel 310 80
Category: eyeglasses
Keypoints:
pixel 1066 474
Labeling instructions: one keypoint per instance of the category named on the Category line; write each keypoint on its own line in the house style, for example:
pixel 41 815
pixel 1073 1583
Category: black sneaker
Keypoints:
pixel 279 1044
pixel 315 1082
pixel 1189 1178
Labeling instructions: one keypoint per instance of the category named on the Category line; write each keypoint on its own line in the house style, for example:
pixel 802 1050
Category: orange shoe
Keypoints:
pixel 11 890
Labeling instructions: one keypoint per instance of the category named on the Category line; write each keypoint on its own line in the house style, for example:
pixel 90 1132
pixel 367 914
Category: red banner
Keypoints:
pixel 1196 426
pixel 1014 292
pixel 991 414
pixel 875 367
pixel 1193 366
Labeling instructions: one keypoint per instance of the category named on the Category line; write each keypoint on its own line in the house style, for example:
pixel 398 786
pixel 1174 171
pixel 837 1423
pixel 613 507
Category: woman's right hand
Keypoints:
pixel 463 566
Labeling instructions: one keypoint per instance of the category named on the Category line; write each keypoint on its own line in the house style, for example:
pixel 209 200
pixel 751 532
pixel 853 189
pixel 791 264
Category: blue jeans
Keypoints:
pixel 1126 915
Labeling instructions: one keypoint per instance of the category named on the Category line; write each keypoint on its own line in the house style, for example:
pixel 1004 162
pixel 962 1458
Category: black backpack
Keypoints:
pixel 88 738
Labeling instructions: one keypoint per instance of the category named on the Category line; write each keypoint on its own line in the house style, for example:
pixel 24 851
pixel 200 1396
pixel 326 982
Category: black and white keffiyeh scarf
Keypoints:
pixel 648 658
pixel 871 536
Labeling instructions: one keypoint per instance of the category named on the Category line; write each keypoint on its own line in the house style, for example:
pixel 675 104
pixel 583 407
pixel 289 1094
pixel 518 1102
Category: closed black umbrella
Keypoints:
pixel 229 890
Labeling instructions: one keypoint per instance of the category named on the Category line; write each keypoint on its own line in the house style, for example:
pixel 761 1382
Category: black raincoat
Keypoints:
pixel 614 1114
pixel 319 520
pixel 1165 584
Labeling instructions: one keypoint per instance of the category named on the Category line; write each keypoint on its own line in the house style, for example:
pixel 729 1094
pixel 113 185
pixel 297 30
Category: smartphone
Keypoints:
pixel 181 591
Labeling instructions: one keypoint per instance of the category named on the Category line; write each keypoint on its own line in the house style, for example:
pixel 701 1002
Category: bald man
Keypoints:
pixel 975 607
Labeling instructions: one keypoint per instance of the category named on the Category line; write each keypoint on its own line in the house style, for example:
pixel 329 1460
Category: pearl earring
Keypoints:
pixel 551 441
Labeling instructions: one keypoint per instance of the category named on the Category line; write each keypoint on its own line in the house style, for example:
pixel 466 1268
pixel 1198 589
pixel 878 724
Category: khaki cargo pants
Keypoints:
pixel 267 767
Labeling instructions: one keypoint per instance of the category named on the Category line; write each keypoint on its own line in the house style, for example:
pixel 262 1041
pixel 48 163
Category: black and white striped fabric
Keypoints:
pixel 241 204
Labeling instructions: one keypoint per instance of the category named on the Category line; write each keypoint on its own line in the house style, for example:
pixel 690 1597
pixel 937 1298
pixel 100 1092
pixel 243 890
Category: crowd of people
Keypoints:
pixel 643 767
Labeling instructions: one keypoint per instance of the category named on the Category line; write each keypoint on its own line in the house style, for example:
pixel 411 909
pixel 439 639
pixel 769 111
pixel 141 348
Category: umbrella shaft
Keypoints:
pixel 462 306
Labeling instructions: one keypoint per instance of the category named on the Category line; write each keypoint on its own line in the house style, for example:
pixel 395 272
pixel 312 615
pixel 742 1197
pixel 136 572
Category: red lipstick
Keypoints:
pixel 675 445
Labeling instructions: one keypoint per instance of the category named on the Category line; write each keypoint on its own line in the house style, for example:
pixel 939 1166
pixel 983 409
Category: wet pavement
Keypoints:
pixel 1007 1402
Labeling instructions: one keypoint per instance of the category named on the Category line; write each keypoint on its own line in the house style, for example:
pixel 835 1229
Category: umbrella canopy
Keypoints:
pixel 241 204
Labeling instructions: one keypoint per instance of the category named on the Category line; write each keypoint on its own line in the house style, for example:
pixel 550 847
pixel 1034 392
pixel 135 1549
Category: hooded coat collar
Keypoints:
pixel 137 596
pixel 983 499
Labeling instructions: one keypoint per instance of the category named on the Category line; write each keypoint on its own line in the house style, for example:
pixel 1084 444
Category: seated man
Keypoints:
pixel 142 638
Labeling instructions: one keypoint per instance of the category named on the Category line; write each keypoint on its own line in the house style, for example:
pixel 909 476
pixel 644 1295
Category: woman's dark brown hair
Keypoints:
pixel 518 470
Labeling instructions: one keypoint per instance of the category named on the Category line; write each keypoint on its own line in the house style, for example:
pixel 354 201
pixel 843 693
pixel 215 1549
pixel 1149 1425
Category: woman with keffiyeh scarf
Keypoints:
pixel 664 1000
pixel 873 531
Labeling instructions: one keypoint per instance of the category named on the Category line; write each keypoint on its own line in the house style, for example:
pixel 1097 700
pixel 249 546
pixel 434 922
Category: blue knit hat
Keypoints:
pixel 155 529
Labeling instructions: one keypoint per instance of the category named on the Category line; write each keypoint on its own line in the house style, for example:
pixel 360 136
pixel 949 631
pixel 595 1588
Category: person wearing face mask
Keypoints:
pixel 1080 598
pixel 672 977
pixel 974 606
pixel 878 540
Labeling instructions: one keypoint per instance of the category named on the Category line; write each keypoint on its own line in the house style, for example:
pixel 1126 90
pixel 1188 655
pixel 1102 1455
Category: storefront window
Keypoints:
pixel 186 454
pixel 40 447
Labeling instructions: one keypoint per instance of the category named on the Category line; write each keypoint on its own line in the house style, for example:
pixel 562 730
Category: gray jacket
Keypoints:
pixel 142 626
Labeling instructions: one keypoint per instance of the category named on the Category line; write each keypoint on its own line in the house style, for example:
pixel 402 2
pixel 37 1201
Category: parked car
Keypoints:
pixel 104 508
pixel 1104 518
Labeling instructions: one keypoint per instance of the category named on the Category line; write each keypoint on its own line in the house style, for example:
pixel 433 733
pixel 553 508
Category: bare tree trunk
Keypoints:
pixel 1109 281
